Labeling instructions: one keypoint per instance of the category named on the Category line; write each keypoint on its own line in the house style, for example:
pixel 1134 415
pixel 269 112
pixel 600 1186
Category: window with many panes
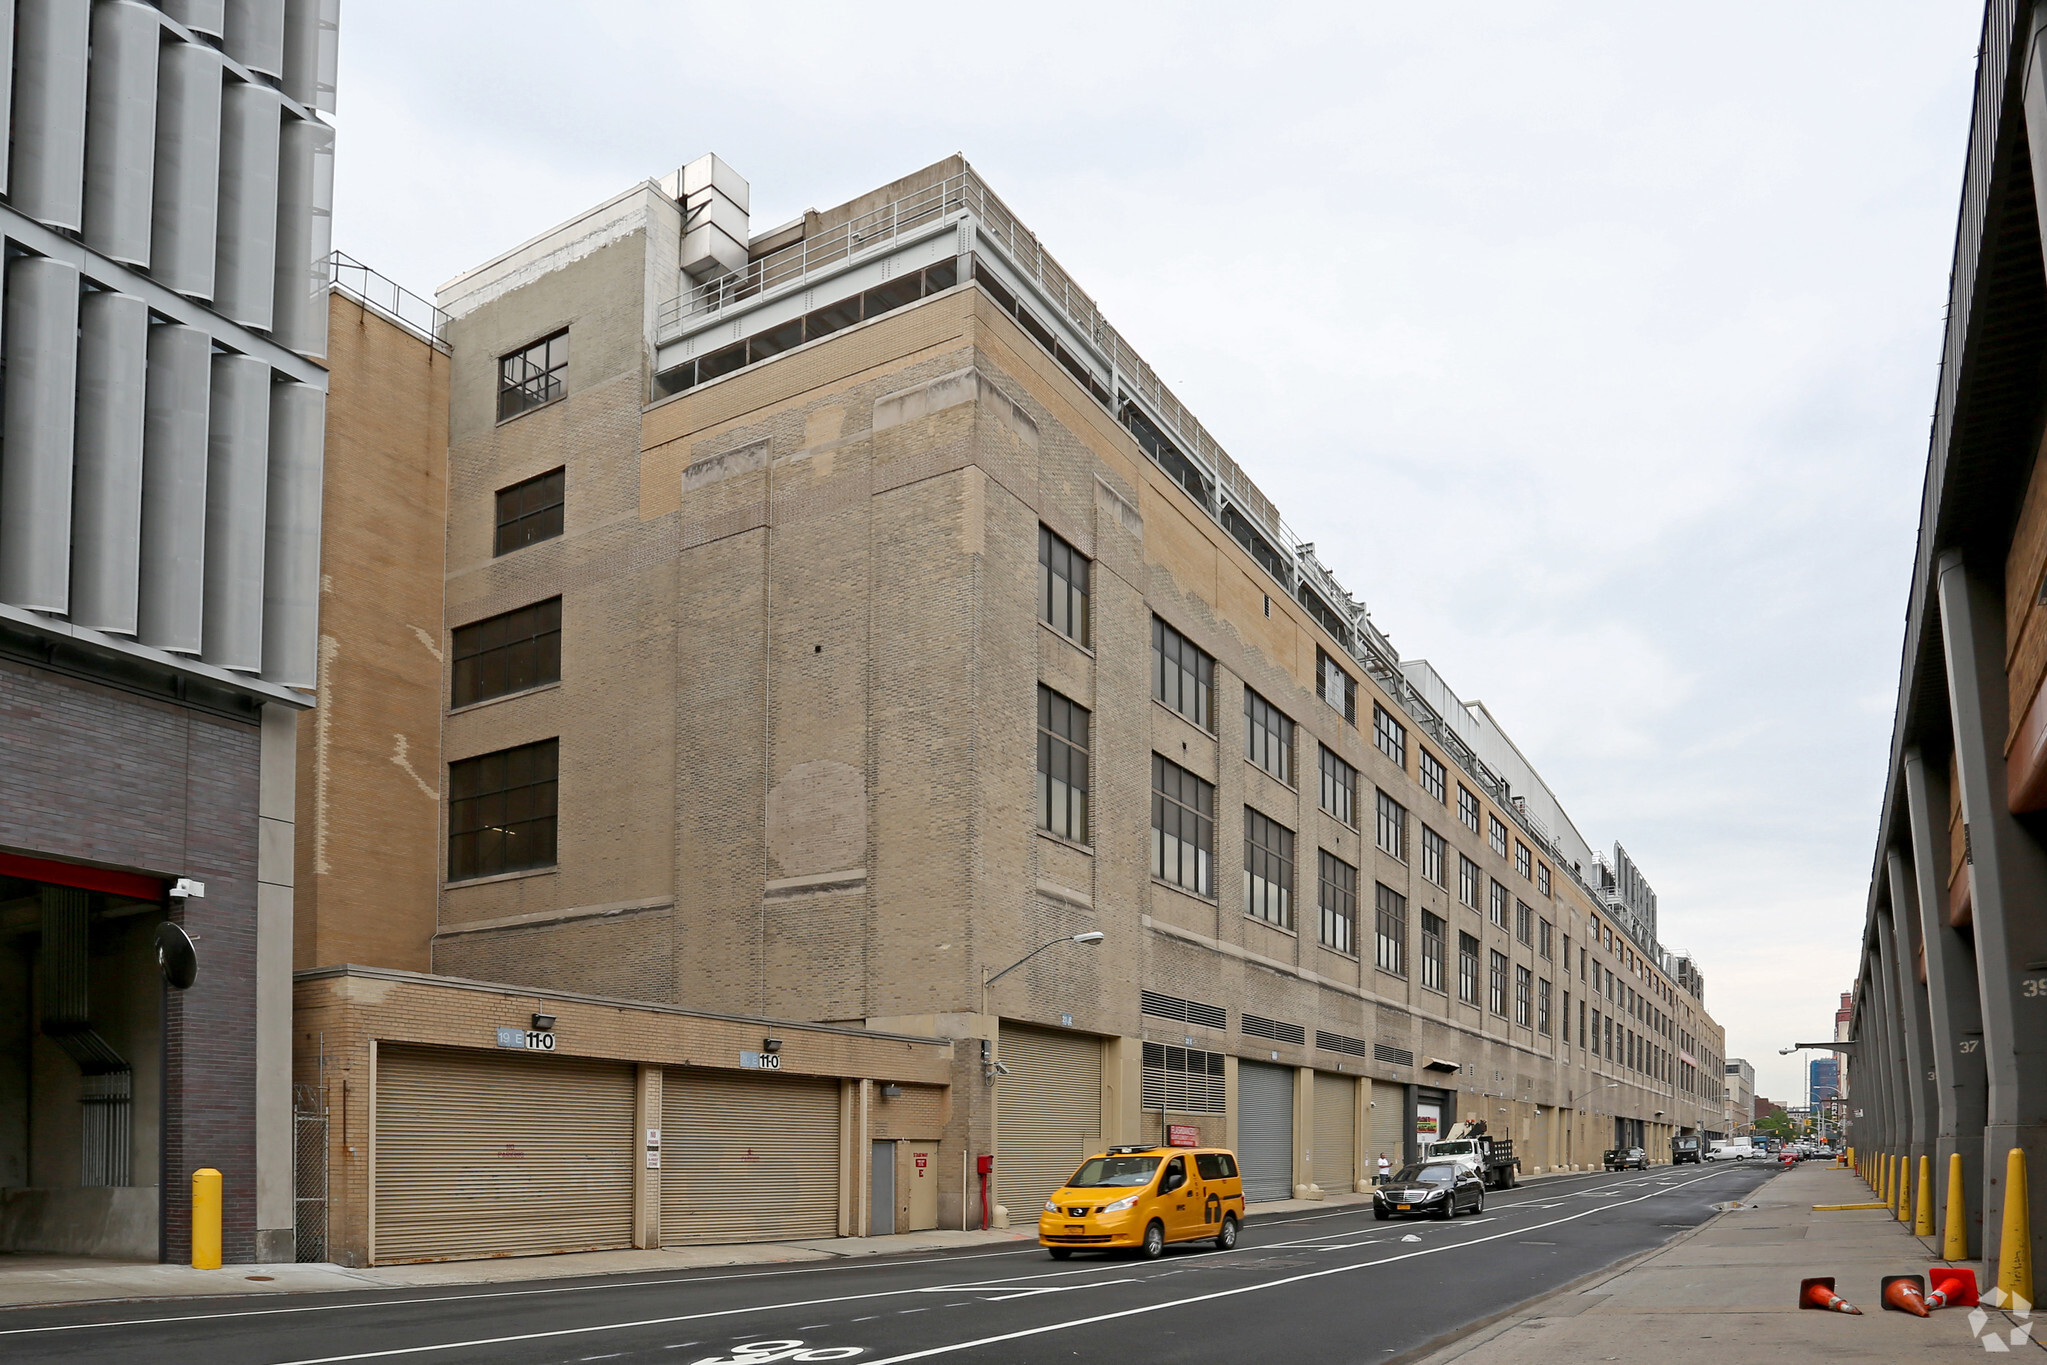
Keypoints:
pixel 508 653
pixel 1335 686
pixel 1544 933
pixel 1432 856
pixel 501 811
pixel 1467 881
pixel 530 511
pixel 1390 909
pixel 1496 902
pixel 1389 734
pixel 1268 869
pixel 533 377
pixel 1182 675
pixel 1521 861
pixel 1496 983
pixel 1062 766
pixel 1062 587
pixel 1433 927
pixel 1467 807
pixel 1392 827
pixel 1542 1005
pixel 1524 922
pixel 1523 995
pixel 1268 737
pixel 1542 878
pixel 1338 895
pixel 1435 778
pixel 1339 787
pixel 1182 827
pixel 1496 834
pixel 1467 968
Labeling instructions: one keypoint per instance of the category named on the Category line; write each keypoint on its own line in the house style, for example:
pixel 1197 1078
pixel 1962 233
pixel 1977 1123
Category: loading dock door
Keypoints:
pixel 1389 1108
pixel 495 1154
pixel 1336 1112
pixel 747 1156
pixel 1265 1130
pixel 1049 1115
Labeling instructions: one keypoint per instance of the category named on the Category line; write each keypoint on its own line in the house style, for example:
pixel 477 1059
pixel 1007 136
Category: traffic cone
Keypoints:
pixel 1819 1293
pixel 1905 1294
pixel 1953 1287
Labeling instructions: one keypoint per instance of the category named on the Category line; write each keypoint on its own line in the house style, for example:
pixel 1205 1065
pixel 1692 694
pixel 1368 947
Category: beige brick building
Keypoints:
pixel 839 614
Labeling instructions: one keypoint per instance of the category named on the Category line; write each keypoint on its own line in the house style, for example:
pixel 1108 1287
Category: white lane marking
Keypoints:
pixel 1056 1289
pixel 395 1351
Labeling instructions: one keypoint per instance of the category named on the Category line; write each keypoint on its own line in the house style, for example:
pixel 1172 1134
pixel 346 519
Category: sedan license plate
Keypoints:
pixel 1404 1207
pixel 1076 1227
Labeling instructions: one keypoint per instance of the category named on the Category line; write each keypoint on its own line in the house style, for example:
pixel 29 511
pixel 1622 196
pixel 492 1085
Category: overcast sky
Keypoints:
pixel 1593 345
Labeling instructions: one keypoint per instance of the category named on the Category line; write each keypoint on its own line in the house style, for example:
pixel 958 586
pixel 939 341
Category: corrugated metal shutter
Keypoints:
pixel 748 1157
pixel 1389 1107
pixel 1336 1100
pixel 1050 1115
pixel 1265 1130
pixel 495 1154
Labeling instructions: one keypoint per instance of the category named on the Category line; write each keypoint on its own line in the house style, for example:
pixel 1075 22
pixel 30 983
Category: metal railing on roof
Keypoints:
pixel 387 296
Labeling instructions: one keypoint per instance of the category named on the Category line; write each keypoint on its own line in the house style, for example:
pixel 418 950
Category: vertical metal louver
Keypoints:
pixel 311 48
pixel 174 439
pixel 40 340
pixel 186 191
pixel 6 85
pixel 201 16
pixel 245 252
pixel 254 35
pixel 291 543
pixel 47 178
pixel 237 479
pixel 121 130
pixel 106 502
pixel 305 170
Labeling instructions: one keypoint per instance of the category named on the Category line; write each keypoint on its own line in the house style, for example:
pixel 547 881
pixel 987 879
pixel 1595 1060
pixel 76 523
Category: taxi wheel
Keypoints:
pixel 1226 1240
pixel 1061 1253
pixel 1154 1241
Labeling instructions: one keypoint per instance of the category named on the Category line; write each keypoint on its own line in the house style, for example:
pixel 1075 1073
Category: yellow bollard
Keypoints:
pixel 1922 1215
pixel 1883 1178
pixel 1955 1246
pixel 2015 1252
pixel 1904 1199
pixel 206 1219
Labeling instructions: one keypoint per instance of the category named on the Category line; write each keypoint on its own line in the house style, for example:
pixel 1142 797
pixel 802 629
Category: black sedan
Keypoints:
pixel 1627 1159
pixel 1437 1189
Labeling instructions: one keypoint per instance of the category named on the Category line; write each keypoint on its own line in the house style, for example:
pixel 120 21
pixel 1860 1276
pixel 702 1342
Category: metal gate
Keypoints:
pixel 1265 1130
pixel 1049 1114
pixel 1336 1105
pixel 309 1170
pixel 750 1156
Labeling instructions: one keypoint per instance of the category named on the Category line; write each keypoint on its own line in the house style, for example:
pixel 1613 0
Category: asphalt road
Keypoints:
pixel 1317 1285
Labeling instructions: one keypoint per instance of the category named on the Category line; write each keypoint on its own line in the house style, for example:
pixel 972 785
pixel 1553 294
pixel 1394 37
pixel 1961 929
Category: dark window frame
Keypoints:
pixel 1064 732
pixel 1268 737
pixel 1063 582
pixel 1339 784
pixel 1182 805
pixel 1329 674
pixel 1434 775
pixel 1268 869
pixel 501 656
pixel 1467 968
pixel 534 376
pixel 1467 807
pixel 1389 826
pixel 1337 899
pixel 498 798
pixel 1182 674
pixel 1434 929
pixel 1389 921
pixel 1434 852
pixel 531 511
pixel 1496 983
pixel 1389 735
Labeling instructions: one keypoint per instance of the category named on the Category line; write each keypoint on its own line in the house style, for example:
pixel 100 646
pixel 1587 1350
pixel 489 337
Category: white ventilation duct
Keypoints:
pixel 715 216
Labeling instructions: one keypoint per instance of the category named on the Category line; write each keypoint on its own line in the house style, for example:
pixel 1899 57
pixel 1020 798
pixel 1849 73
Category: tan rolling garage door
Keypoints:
pixel 1389 1130
pixel 1049 1110
pixel 748 1157
pixel 1336 1114
pixel 500 1154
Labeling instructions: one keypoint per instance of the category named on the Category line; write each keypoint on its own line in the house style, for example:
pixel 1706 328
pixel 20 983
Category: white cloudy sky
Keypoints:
pixel 1593 344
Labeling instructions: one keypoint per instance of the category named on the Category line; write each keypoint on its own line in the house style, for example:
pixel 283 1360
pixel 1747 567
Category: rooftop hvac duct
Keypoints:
pixel 716 204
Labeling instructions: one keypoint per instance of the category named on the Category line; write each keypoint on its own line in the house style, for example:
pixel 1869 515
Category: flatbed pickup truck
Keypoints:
pixel 1470 1146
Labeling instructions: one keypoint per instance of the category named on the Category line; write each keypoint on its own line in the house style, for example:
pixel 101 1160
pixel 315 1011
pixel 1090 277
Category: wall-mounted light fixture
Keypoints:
pixel 771 1045
pixel 890 1092
pixel 543 1023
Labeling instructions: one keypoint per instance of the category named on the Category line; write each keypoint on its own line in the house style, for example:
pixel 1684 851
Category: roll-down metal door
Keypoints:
pixel 748 1157
pixel 497 1154
pixel 1049 1114
pixel 1336 1102
pixel 1265 1130
pixel 1389 1134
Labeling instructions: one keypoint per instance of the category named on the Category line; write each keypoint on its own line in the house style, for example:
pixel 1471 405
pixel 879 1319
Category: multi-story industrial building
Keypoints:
pixel 167 174
pixel 1949 1043
pixel 843 624
pixel 1740 1104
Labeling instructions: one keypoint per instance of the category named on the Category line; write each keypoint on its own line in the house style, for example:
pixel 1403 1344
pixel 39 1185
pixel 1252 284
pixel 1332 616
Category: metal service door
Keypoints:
pixel 1389 1105
pixel 1336 1102
pixel 1265 1130
pixel 492 1154
pixel 747 1156
pixel 1048 1114
pixel 882 1191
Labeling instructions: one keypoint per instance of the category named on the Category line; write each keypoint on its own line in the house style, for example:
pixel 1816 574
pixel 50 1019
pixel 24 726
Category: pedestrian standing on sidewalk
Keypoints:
pixel 1385 1168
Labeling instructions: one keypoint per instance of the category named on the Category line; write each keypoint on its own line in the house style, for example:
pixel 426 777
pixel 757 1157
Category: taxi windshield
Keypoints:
pixel 1103 1171
pixel 1439 1174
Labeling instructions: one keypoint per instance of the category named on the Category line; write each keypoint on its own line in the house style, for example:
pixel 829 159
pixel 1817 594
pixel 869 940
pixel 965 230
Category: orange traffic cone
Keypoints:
pixel 1905 1294
pixel 1819 1293
pixel 1953 1287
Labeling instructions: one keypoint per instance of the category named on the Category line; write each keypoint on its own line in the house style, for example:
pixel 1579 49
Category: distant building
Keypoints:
pixel 1823 1081
pixel 1740 1095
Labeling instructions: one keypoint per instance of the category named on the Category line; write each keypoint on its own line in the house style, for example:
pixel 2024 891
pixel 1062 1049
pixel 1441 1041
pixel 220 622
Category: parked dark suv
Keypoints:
pixel 1627 1159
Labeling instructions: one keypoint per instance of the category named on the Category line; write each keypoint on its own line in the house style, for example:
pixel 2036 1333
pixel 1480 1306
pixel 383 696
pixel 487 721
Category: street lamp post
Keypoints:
pixel 1091 937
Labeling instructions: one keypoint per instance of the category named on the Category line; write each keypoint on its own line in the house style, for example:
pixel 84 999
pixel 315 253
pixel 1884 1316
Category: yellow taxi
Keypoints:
pixel 1141 1198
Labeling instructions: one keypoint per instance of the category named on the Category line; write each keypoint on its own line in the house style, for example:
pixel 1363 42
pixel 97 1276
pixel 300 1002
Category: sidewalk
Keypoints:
pixel 1728 1291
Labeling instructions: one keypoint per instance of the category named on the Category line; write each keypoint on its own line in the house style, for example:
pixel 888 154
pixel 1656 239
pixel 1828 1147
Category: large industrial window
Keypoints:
pixel 1467 968
pixel 1335 686
pixel 1339 788
pixel 1062 587
pixel 510 653
pixel 1467 807
pixel 1391 916
pixel 1390 735
pixel 1268 737
pixel 501 811
pixel 1467 881
pixel 1521 860
pixel 1392 827
pixel 1062 766
pixel 1542 1006
pixel 1542 878
pixel 1268 869
pixel 1182 827
pixel 1545 935
pixel 1496 903
pixel 1432 856
pixel 1339 901
pixel 1435 778
pixel 1496 835
pixel 1182 1080
pixel 1182 675
pixel 534 377
pixel 1496 984
pixel 1433 927
pixel 530 511
pixel 1524 923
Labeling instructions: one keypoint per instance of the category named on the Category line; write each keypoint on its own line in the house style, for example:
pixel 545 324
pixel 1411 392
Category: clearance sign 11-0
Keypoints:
pixel 526 1039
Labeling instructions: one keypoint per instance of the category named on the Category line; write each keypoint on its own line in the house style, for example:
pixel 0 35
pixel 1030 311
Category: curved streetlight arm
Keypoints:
pixel 1091 937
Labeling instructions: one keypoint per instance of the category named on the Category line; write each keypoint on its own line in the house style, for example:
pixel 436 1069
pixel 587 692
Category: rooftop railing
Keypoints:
pixel 387 296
